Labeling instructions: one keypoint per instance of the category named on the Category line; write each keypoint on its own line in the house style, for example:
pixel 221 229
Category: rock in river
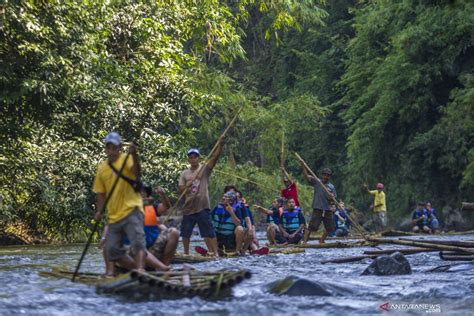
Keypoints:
pixel 389 265
pixel 295 286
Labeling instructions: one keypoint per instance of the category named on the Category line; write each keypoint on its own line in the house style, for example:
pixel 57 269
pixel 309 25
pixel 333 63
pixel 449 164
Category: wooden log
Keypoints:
pixel 422 244
pixel 458 243
pixel 405 251
pixel 457 258
pixel 453 253
pixel 467 206
pixel 348 259
pixel 336 245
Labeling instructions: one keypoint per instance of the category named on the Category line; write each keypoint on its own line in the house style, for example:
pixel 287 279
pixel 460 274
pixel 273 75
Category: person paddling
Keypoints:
pixel 125 206
pixel 321 204
pixel 194 181
pixel 379 206
pixel 290 191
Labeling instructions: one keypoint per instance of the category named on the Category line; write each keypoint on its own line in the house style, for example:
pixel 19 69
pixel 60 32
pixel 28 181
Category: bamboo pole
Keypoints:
pixel 457 258
pixel 405 251
pixel 459 243
pixel 348 259
pixel 201 167
pixel 356 225
pixel 422 244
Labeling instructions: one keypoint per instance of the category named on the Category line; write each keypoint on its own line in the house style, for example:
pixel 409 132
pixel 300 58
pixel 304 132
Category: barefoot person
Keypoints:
pixel 196 209
pixel 228 222
pixel 273 218
pixel 321 204
pixel 292 223
pixel 161 241
pixel 379 207
pixel 125 207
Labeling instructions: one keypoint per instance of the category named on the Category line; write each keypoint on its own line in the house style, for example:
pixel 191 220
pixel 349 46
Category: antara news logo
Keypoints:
pixel 427 308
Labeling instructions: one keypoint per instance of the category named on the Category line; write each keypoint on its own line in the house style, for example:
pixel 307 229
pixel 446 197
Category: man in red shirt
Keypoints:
pixel 289 191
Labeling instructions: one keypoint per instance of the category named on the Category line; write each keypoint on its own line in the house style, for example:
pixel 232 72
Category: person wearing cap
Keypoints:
pixel 322 202
pixel 379 207
pixel 290 190
pixel 125 206
pixel 194 181
pixel 228 220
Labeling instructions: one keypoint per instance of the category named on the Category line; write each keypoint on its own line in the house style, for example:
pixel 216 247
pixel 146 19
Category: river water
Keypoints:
pixel 24 291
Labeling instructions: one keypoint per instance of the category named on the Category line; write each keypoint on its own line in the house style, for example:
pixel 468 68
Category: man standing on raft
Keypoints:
pixel 321 204
pixel 196 209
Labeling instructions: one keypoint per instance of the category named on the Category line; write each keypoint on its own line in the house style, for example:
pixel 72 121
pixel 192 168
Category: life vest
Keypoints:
pixel 290 220
pixel 223 222
pixel 150 225
pixel 275 217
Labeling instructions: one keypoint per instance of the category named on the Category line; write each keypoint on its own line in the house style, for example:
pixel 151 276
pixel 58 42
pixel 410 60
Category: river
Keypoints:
pixel 24 291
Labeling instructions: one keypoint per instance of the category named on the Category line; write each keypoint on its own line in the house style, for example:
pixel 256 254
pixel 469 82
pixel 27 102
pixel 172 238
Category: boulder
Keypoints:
pixel 395 264
pixel 294 286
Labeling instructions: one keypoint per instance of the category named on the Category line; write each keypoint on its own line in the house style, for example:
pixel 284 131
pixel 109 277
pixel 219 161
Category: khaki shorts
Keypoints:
pixel 132 227
pixel 158 248
pixel 317 218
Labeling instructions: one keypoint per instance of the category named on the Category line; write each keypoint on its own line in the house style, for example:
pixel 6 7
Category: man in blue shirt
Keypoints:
pixel 420 219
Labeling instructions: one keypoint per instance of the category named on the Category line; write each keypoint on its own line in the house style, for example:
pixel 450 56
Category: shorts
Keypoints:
pixel 226 242
pixel 317 218
pixel 158 248
pixel 130 226
pixel 381 218
pixel 203 219
pixel 280 239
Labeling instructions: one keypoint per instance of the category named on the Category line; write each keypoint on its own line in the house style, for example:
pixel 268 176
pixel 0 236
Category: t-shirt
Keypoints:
pixel 417 214
pixel 291 193
pixel 196 198
pixel 124 199
pixel 321 198
pixel 341 224
pixel 379 199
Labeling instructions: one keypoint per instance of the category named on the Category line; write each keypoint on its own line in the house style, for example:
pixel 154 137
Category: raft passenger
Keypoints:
pixel 291 224
pixel 420 219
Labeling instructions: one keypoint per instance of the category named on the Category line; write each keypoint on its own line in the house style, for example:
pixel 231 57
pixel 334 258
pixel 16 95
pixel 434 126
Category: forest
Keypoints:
pixel 376 90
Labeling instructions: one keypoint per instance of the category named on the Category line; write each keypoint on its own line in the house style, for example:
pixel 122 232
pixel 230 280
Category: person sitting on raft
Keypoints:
pixel 161 242
pixel 420 219
pixel 228 222
pixel 433 220
pixel 291 223
pixel 273 218
pixel 341 220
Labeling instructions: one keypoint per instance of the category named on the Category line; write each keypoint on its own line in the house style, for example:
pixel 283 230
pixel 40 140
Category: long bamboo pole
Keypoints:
pixel 356 225
pixel 96 224
pixel 459 243
pixel 201 167
pixel 422 244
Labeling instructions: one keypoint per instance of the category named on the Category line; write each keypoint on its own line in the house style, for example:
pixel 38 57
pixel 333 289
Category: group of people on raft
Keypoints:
pixel 424 219
pixel 132 216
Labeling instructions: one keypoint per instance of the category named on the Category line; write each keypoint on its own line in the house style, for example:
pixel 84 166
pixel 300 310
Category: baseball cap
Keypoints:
pixel 380 186
pixel 113 138
pixel 327 171
pixel 194 151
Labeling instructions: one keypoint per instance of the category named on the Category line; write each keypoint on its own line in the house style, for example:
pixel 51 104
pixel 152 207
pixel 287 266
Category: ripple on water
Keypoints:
pixel 24 291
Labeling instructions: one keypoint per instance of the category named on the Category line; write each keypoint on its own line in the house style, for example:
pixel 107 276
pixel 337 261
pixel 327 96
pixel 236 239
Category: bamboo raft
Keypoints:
pixel 161 285
pixel 181 258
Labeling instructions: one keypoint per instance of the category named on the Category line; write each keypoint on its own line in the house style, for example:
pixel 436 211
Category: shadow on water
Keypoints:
pixel 24 291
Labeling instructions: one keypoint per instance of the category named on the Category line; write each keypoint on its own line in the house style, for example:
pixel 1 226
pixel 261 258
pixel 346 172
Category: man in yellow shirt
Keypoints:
pixel 125 205
pixel 379 206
